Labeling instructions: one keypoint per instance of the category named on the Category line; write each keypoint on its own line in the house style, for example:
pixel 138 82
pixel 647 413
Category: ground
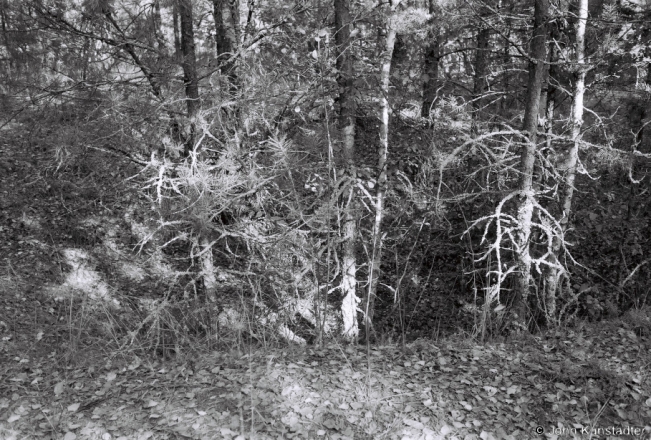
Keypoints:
pixel 567 386
pixel 68 370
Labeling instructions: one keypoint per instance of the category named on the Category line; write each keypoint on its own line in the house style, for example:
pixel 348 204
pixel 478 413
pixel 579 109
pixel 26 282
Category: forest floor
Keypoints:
pixel 572 384
pixel 62 378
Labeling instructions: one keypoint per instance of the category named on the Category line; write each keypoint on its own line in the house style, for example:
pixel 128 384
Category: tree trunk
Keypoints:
pixel 525 209
pixel 175 30
pixel 553 270
pixel 191 82
pixel 207 266
pixel 189 60
pixel 346 103
pixel 249 28
pixel 9 47
pixel 504 101
pixel 431 67
pixel 227 38
pixel 551 97
pixel 5 39
pixel 383 150
pixel 481 71
pixel 482 51
pixel 572 155
pixel 647 95
pixel 158 26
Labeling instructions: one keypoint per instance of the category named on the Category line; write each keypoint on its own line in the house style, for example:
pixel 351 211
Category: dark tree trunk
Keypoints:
pixel 538 55
pixel 158 26
pixel 227 38
pixel 481 71
pixel 550 100
pixel 505 100
pixel 189 60
pixel 176 30
pixel 431 67
pixel 191 82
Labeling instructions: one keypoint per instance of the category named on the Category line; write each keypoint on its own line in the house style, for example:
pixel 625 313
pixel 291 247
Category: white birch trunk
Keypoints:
pixel 347 106
pixel 207 269
pixel 572 154
pixel 383 151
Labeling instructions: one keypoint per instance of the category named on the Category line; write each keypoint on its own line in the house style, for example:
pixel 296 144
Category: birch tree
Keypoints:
pixel 388 39
pixel 568 166
pixel 346 121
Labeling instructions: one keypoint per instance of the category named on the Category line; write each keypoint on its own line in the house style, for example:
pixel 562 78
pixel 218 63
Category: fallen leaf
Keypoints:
pixel 58 389
pixel 151 404
pixel 135 364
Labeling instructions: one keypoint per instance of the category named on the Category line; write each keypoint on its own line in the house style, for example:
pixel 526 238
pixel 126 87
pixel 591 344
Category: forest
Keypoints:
pixel 416 219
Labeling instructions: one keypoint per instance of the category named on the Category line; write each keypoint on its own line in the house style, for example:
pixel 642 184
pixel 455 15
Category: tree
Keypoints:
pixel 481 66
pixel 387 33
pixel 347 108
pixel 568 167
pixel 189 65
pixel 230 115
pixel 226 15
pixel 193 147
pixel 527 192
pixel 431 63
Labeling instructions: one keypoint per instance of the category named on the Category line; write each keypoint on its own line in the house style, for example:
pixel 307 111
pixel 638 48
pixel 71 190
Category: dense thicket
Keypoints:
pixel 401 167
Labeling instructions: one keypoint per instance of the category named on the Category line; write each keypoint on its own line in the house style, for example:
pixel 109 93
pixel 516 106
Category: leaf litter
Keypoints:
pixel 563 383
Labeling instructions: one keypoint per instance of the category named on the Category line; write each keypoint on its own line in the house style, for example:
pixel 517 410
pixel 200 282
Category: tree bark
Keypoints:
pixel 481 70
pixel 5 38
pixel 175 30
pixel 431 67
pixel 158 25
pixel 504 102
pixel 191 83
pixel 572 154
pixel 550 101
pixel 537 54
pixel 189 59
pixel 227 38
pixel 553 270
pixel 480 65
pixel 383 152
pixel 346 103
